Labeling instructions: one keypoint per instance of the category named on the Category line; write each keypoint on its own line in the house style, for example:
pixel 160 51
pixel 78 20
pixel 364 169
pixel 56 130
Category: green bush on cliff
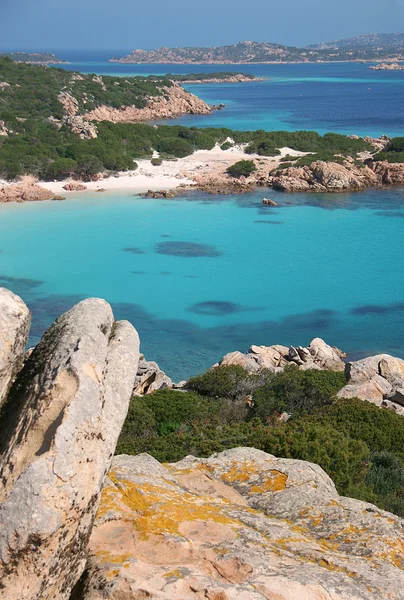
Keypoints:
pixel 232 382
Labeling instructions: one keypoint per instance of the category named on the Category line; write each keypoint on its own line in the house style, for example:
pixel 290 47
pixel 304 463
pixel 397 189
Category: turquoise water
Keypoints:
pixel 341 97
pixel 200 276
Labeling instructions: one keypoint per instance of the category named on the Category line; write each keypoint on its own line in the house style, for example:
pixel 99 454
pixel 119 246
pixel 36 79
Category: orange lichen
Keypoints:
pixel 240 472
pixel 160 509
pixel 275 483
pixel 175 573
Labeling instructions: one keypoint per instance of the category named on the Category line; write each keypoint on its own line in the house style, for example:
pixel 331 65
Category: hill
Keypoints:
pixel 39 58
pixel 368 47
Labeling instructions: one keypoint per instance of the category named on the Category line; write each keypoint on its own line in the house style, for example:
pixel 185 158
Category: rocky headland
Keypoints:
pixel 77 524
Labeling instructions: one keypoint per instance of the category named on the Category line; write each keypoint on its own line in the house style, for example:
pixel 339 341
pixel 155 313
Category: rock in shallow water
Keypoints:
pixel 241 525
pixel 58 433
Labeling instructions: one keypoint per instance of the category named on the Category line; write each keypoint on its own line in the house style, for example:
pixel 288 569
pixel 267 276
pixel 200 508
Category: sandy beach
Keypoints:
pixel 196 169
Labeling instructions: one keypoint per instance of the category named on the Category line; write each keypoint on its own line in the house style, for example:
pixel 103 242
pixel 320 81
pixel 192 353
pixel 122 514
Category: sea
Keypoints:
pixel 199 275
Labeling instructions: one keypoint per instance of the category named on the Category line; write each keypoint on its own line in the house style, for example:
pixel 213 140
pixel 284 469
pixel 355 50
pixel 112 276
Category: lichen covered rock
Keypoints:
pixel 241 525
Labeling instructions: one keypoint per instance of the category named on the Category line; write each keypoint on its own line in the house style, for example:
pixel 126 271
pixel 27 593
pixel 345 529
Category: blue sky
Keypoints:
pixel 127 24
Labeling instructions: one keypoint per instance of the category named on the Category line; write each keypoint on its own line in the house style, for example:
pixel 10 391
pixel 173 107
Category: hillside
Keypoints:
pixel 372 47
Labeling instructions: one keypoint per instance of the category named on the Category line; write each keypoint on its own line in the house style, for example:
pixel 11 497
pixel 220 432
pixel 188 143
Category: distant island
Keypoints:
pixel 374 47
pixel 36 58
pixel 387 67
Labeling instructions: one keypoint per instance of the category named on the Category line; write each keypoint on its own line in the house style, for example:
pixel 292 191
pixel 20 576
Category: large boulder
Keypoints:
pixel 15 320
pixel 376 379
pixel 150 378
pixel 241 525
pixel 58 434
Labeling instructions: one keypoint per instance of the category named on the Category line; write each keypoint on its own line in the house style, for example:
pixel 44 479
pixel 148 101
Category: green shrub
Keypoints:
pixel 232 382
pixel 226 146
pixel 242 168
pixel 294 391
pixel 176 146
pixel 156 162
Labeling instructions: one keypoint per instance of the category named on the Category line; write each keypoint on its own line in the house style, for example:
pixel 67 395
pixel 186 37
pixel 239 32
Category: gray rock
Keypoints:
pixel 150 378
pixel 59 430
pixel 15 320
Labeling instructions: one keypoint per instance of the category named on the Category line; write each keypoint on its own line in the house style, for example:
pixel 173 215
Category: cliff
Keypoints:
pixel 174 102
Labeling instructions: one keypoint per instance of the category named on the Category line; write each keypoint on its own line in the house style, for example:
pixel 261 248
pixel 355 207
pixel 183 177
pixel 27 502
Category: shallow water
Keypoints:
pixel 203 275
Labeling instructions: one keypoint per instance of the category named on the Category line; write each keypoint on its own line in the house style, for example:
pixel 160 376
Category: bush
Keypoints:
pixel 226 146
pixel 88 167
pixel 242 168
pixel 296 392
pixel 62 168
pixel 176 146
pixel 232 382
pixel 156 162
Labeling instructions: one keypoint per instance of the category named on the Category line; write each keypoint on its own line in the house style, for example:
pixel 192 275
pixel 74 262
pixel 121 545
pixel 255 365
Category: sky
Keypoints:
pixel 128 24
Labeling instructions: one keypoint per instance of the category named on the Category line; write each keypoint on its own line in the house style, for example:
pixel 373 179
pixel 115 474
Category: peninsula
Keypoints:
pixel 35 58
pixel 389 66
pixel 362 48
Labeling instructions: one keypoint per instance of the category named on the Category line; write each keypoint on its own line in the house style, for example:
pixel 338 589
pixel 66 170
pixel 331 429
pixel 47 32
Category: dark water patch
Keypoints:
pixel 191 276
pixel 187 250
pixel 139 272
pixel 270 222
pixel 216 308
pixel 378 309
pixel 391 213
pixel 19 285
pixel 165 273
pixel 133 250
pixel 183 348
pixel 166 235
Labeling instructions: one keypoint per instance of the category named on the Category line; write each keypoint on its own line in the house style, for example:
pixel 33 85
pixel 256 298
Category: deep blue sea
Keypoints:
pixel 201 275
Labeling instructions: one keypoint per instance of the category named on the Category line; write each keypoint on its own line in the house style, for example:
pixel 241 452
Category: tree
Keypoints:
pixel 88 167
pixel 62 168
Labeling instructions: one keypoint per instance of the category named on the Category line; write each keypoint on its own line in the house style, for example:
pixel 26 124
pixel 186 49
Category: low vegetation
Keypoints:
pixel 358 444
pixel 394 153
pixel 242 168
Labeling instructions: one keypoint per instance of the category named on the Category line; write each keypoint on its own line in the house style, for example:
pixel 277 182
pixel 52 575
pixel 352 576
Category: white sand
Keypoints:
pixel 173 173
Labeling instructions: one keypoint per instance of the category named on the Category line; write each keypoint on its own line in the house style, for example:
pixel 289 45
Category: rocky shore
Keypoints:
pixel 78 524
pixel 27 190
pixel 173 103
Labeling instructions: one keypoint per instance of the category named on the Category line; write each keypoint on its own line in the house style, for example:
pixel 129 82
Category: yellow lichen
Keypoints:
pixel 275 483
pixel 175 573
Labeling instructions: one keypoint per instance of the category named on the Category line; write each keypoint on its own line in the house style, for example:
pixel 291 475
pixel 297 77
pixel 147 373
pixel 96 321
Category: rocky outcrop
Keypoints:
pixel 378 379
pixel 241 525
pixel 388 173
pixel 69 103
pixel 333 177
pixel 160 194
pixel 150 378
pixel 81 127
pixel 230 78
pixel 15 320
pixel 4 131
pixel 27 190
pixel 58 433
pixel 174 102
pixel 74 186
pixel 387 67
pixel 323 176
pixel 318 355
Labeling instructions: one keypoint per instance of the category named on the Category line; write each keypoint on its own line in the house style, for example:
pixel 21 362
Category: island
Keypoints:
pixel 36 58
pixel 390 66
pixel 361 48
